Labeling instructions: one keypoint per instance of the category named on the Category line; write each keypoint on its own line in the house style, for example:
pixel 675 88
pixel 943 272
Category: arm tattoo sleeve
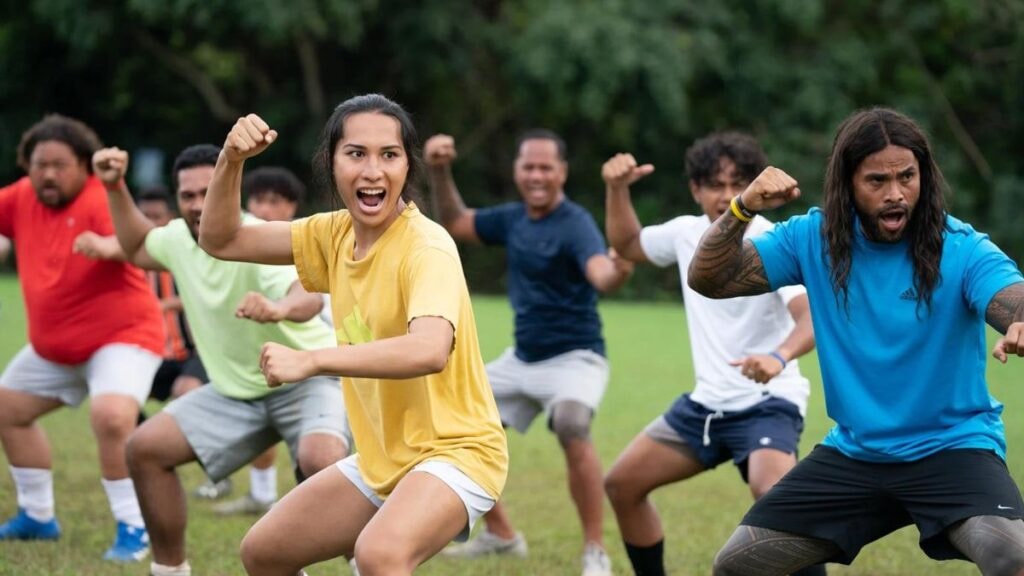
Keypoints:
pixel 1006 307
pixel 726 265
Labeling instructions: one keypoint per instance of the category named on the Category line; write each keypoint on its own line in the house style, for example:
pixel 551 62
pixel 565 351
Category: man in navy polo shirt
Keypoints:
pixel 557 263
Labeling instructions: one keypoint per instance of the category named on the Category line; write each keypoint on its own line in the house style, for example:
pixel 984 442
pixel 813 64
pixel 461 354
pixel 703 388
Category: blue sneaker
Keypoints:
pixel 131 544
pixel 21 527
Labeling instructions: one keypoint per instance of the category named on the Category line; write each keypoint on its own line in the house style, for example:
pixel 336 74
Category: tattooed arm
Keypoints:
pixel 1005 313
pixel 725 265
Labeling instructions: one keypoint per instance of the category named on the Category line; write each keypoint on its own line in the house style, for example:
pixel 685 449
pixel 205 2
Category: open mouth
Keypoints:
pixel 893 220
pixel 370 199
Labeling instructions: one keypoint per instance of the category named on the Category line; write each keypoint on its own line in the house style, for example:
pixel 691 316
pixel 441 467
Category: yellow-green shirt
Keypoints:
pixel 412 270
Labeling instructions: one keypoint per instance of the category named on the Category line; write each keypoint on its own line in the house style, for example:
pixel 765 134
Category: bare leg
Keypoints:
pixel 994 543
pixel 754 551
pixel 154 452
pixel 266 459
pixel 24 441
pixel 570 420
pixel 498 522
pixel 113 418
pixel 765 467
pixel 318 520
pixel 643 466
pixel 318 451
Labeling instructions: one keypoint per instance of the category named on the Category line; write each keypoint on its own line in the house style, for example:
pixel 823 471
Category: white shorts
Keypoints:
pixel 524 389
pixel 476 500
pixel 113 369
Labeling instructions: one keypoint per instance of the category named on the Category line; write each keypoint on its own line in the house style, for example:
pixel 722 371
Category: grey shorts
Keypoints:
pixel 227 434
pixel 525 389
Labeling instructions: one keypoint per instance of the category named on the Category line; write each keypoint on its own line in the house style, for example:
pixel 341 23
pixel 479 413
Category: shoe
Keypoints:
pixel 213 491
pixel 486 543
pixel 596 561
pixel 245 505
pixel 130 545
pixel 22 527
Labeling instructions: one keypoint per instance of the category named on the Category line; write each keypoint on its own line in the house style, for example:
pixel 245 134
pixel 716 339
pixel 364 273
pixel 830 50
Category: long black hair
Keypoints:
pixel 861 135
pixel 333 132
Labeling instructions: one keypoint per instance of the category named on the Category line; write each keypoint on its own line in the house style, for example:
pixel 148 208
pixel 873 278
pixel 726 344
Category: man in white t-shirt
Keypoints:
pixel 750 398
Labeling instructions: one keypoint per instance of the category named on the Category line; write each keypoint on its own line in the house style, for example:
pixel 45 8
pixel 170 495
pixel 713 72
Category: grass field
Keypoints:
pixel 650 360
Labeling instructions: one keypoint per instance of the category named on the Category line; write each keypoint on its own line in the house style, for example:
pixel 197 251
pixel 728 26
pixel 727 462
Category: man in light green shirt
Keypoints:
pixel 233 309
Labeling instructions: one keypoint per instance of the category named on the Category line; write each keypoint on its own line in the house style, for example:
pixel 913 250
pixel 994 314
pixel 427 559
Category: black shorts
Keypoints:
pixel 772 423
pixel 169 371
pixel 852 502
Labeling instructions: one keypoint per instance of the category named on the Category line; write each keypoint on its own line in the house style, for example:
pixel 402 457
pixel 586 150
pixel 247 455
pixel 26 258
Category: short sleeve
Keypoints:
pixel 779 249
pixel 311 240
pixel 788 293
pixel 156 244
pixel 7 215
pixel 987 270
pixel 435 285
pixel 585 240
pixel 492 224
pixel 659 242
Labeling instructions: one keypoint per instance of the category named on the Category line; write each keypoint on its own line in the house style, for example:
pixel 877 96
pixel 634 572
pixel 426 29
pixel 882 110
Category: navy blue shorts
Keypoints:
pixel 851 502
pixel 773 423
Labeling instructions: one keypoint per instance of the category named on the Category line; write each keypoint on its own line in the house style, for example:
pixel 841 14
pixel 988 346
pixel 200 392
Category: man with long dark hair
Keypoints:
pixel 900 292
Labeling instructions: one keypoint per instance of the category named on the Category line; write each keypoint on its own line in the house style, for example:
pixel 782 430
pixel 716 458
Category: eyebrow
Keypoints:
pixel 363 146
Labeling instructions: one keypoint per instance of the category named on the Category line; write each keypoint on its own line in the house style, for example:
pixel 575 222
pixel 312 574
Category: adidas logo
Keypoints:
pixel 908 294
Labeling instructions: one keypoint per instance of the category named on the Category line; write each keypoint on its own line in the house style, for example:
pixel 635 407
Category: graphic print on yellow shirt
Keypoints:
pixel 412 270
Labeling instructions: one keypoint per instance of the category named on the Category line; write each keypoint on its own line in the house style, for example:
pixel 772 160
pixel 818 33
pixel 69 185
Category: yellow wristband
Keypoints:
pixel 734 206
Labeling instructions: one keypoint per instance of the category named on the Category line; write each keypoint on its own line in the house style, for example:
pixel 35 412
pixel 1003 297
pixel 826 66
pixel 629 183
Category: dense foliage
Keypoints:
pixel 646 77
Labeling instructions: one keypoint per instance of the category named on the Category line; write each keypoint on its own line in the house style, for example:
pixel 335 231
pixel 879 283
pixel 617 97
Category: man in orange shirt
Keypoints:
pixel 94 329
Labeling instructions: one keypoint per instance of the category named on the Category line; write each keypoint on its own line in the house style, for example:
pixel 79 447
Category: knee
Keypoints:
pixel 376 556
pixel 570 421
pixel 319 451
pixel 142 449
pixel 620 489
pixel 724 566
pixel 759 487
pixel 254 550
pixel 113 420
pixel 1010 563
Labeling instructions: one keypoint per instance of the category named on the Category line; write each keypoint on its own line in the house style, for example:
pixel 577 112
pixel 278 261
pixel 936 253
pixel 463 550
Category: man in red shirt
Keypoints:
pixel 94 329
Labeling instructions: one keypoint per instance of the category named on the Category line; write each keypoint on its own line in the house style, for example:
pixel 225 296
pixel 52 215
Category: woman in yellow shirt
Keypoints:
pixel 432 453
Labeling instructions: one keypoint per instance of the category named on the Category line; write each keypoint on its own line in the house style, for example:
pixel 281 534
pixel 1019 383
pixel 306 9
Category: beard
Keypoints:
pixel 888 225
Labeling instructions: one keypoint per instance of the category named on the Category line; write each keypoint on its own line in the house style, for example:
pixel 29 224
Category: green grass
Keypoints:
pixel 650 360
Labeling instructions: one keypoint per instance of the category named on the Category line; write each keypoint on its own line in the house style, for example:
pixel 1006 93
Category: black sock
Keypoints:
pixel 816 570
pixel 647 560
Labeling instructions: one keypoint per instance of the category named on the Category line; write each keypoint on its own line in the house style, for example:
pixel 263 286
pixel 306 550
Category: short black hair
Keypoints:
pixel 82 140
pixel 197 155
pixel 704 156
pixel 544 134
pixel 155 193
pixel 274 180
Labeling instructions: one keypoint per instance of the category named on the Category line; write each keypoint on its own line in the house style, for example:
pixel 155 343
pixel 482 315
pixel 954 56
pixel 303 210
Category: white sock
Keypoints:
pixel 182 569
pixel 123 502
pixel 35 492
pixel 263 484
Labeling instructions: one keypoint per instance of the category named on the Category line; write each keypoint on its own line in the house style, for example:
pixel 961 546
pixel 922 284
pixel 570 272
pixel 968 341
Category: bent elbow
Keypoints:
pixel 705 286
pixel 435 363
pixel 215 245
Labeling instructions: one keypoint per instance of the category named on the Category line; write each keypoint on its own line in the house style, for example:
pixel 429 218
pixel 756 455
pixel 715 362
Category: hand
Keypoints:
pixel 248 137
pixel 110 166
pixel 280 364
pixel 759 367
pixel 1011 343
pixel 439 151
pixel 259 308
pixel 621 170
pixel 89 244
pixel 772 188
pixel 623 266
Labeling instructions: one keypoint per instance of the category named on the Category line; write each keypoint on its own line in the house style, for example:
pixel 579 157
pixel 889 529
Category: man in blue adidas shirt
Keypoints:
pixel 900 292
pixel 557 263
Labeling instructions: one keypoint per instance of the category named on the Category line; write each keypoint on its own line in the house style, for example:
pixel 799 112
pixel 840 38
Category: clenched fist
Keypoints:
pixel 248 137
pixel 621 170
pixel 772 188
pixel 281 364
pixel 110 166
pixel 259 308
pixel 439 150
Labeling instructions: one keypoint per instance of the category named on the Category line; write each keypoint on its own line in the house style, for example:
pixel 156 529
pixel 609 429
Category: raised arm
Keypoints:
pixel 221 232
pixel 438 154
pixel 725 265
pixel 130 225
pixel 620 221
pixel 423 350
pixel 1005 313
pixel 297 305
